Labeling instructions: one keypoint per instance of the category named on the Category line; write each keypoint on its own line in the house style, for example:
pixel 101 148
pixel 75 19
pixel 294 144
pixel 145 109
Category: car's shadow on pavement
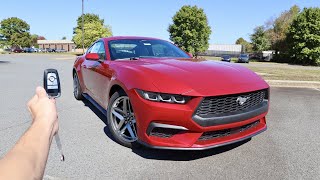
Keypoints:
pixel 4 62
pixel 171 155
pixel 184 155
pixel 101 116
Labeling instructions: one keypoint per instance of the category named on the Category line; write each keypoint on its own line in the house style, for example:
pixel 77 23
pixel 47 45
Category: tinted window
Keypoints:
pixel 102 51
pixel 129 48
pixel 95 47
pixel 88 51
pixel 98 48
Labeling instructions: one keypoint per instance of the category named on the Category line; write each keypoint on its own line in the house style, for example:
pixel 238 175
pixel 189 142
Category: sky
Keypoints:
pixel 229 19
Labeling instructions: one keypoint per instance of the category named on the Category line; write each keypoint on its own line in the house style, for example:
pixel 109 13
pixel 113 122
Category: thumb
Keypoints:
pixel 41 92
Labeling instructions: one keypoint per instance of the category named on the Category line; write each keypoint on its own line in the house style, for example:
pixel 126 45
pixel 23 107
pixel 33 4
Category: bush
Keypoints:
pixel 282 58
pixel 304 37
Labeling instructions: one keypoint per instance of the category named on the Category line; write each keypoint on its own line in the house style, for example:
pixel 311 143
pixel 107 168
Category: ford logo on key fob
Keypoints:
pixel 51 83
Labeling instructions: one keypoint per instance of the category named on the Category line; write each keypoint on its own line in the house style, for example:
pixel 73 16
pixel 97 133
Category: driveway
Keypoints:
pixel 289 149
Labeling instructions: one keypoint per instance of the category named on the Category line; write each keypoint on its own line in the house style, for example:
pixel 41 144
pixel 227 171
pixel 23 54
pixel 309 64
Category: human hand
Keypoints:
pixel 43 111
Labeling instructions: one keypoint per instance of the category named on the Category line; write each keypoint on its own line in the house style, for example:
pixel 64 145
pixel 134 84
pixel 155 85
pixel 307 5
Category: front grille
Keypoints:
pixel 222 133
pixel 220 105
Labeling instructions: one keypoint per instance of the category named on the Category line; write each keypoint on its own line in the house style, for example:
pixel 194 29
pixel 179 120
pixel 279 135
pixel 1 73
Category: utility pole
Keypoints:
pixel 82 27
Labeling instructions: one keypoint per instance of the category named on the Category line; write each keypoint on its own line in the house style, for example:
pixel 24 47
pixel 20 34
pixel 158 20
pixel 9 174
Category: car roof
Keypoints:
pixel 127 37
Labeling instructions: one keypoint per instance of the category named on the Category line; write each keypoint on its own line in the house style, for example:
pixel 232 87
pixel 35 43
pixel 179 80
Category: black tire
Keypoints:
pixel 77 91
pixel 114 133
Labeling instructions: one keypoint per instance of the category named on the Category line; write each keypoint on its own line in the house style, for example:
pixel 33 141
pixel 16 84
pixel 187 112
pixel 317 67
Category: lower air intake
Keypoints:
pixel 222 133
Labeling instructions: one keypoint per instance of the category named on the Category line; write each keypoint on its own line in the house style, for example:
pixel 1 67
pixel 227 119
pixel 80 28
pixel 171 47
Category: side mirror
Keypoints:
pixel 190 54
pixel 92 56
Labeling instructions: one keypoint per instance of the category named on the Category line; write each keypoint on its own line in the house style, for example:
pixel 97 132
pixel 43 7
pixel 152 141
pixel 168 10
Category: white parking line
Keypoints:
pixel 317 89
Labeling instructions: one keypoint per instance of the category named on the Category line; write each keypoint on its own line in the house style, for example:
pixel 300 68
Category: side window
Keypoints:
pixel 102 51
pixel 98 48
pixel 95 47
pixel 89 50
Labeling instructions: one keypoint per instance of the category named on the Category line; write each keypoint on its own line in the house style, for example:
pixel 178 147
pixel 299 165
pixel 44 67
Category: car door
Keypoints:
pixel 87 68
pixel 101 74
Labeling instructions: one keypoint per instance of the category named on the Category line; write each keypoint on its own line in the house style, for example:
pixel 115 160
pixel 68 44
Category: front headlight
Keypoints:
pixel 162 97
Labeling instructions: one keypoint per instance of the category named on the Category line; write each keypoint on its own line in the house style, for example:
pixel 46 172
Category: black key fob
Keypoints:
pixel 51 83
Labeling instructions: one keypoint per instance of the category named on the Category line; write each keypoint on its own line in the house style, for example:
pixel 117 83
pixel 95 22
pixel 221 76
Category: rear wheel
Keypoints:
pixel 121 120
pixel 77 92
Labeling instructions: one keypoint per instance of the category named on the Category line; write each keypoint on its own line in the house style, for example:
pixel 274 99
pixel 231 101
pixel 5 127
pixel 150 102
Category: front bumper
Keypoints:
pixel 187 134
pixel 204 147
pixel 243 60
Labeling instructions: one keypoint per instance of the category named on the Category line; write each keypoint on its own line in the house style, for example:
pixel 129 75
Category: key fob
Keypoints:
pixel 51 83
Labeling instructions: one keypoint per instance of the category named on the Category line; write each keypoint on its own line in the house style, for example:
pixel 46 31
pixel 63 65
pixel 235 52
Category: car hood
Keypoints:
pixel 197 77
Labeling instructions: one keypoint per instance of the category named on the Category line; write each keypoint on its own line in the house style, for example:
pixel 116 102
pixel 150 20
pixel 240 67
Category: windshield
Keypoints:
pixel 141 48
pixel 244 55
pixel 226 57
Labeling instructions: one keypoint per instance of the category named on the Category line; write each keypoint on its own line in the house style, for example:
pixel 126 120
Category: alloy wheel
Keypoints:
pixel 123 120
pixel 75 85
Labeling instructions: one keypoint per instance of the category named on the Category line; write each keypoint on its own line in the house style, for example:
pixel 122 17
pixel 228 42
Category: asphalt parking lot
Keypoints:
pixel 289 149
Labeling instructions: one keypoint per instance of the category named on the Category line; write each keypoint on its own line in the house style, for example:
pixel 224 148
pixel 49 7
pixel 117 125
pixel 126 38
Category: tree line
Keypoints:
pixel 294 36
pixel 15 32
pixel 189 30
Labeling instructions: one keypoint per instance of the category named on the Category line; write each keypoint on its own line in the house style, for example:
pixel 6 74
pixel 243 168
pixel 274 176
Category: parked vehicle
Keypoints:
pixel 226 58
pixel 50 50
pixel 29 50
pixel 17 50
pixel 155 94
pixel 42 50
pixel 243 58
pixel 8 50
pixel 25 49
pixel 61 50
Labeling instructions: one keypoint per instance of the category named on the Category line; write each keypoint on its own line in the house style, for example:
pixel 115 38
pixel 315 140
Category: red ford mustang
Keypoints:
pixel 155 94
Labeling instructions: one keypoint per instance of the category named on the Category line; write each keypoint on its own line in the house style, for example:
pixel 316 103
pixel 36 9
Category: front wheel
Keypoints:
pixel 77 92
pixel 121 120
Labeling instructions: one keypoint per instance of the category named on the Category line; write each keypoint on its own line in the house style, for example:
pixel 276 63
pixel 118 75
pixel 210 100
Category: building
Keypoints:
pixel 57 44
pixel 224 49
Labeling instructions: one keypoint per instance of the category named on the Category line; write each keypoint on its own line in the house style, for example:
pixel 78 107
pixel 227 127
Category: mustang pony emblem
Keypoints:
pixel 242 100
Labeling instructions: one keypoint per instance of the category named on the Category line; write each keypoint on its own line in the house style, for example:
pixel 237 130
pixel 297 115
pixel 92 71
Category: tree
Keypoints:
pixel 16 31
pixel 34 40
pixel 20 40
pixel 63 38
pixel 88 18
pixel 94 29
pixel 240 41
pixel 190 30
pixel 304 37
pixel 41 38
pixel 259 39
pixel 92 32
pixel 247 46
pixel 278 30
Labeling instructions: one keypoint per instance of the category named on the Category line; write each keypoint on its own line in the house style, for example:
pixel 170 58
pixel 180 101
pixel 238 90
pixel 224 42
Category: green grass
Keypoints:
pixel 280 71
pixel 285 73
